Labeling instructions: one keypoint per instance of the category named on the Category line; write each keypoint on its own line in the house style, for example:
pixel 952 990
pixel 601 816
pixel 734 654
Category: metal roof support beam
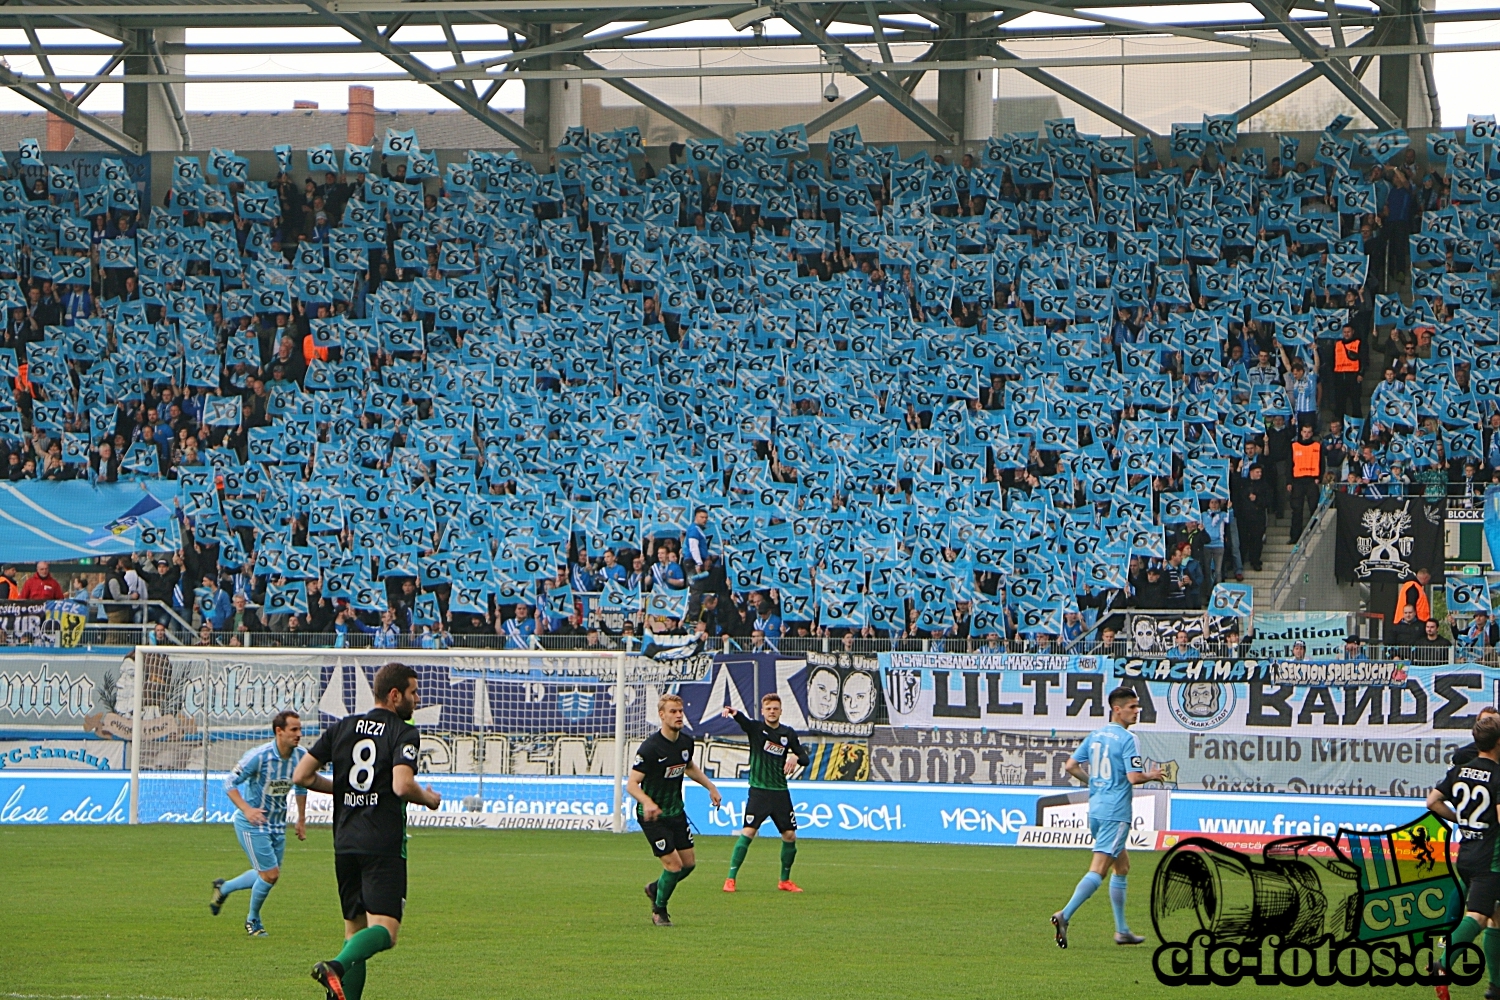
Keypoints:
pixel 1072 93
pixel 586 43
pixel 1429 76
pixel 105 70
pixel 458 55
pixel 42 57
pixel 879 29
pixel 671 114
pixel 1280 93
pixel 859 100
pixel 1337 73
pixel 1142 27
pixel 426 74
pixel 159 64
pixel 494 87
pixel 65 110
pixel 884 86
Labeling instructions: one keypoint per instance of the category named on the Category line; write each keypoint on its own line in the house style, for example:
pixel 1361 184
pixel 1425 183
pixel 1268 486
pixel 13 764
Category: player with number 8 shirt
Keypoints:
pixel 374 758
pixel 1467 796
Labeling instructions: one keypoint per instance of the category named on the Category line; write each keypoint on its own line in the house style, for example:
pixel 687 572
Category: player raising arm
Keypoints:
pixel 1467 795
pixel 265 773
pixel 374 759
pixel 656 785
pixel 775 753
pixel 1115 768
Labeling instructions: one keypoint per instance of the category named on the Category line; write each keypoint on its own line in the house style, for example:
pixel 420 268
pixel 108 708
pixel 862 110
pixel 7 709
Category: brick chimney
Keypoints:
pixel 59 132
pixel 361 115
pixel 304 105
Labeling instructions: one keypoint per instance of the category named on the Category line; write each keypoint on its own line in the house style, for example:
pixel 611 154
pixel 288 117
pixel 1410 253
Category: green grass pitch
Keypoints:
pixel 122 912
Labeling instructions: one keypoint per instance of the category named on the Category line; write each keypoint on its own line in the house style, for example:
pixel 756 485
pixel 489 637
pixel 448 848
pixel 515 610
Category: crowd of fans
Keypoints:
pixel 987 403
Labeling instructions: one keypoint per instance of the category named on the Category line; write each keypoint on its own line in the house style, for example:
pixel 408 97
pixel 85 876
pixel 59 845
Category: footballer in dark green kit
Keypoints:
pixel 775 753
pixel 662 761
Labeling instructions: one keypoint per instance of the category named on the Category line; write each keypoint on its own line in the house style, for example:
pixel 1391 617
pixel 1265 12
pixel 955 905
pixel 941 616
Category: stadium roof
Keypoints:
pixel 542 41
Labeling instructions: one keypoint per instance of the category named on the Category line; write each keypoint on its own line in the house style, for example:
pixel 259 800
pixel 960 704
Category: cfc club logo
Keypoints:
pixel 1361 909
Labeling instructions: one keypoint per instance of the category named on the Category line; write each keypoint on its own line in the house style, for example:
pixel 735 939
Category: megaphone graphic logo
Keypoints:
pixel 1365 908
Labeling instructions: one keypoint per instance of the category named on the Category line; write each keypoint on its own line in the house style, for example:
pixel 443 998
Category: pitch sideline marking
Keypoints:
pixel 83 996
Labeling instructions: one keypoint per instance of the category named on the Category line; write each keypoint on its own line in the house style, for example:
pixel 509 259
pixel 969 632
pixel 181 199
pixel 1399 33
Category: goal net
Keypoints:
pixel 497 727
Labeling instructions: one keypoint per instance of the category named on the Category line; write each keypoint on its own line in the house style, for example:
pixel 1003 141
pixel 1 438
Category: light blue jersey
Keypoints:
pixel 264 778
pixel 1110 753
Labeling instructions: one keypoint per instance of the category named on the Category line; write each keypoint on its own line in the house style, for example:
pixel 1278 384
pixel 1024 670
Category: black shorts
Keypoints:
pixel 371 883
pixel 764 804
pixel 1483 888
pixel 668 834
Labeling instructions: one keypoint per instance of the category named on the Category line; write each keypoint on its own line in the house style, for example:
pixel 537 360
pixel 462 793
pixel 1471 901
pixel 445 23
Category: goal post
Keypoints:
pixel 497 724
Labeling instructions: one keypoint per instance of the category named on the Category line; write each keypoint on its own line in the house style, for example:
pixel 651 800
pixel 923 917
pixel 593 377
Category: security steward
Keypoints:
pixel 1307 473
pixel 1346 375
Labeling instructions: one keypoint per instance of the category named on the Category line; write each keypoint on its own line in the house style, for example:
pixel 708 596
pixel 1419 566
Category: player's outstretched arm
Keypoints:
pixel 649 809
pixel 696 773
pixel 306 775
pixel 404 784
pixel 740 718
pixel 1438 806
pixel 1141 777
pixel 301 814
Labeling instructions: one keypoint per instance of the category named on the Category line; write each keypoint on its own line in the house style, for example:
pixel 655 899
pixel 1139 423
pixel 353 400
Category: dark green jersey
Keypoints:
pixel 768 750
pixel 1473 790
pixel 662 763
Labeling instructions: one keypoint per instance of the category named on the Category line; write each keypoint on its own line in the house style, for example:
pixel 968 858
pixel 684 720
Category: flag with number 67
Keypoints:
pixel 1468 595
pixel 1237 599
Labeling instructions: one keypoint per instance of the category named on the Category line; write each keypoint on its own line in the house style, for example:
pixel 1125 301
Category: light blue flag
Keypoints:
pixel 1468 595
pixel 667 603
pixel 1492 518
pixel 1236 599
pixel 287 598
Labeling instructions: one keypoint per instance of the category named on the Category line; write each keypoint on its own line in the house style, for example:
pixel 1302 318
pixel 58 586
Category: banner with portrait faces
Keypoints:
pixel 843 694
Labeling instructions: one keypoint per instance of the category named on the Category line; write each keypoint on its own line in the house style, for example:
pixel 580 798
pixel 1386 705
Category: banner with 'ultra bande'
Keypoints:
pixel 1425 701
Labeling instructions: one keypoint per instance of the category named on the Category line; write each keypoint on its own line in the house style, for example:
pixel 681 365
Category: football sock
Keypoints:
pixel 741 847
pixel 1086 887
pixel 1467 930
pixel 354 981
pixel 1492 955
pixel 239 882
pixel 370 941
pixel 258 894
pixel 788 855
pixel 1117 903
pixel 668 882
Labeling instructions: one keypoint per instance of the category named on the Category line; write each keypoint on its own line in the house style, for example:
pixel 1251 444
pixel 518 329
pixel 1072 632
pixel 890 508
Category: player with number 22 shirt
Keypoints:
pixel 1467 795
pixel 374 759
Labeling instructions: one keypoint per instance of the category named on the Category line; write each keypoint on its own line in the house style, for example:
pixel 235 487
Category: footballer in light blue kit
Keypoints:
pixel 1115 767
pixel 258 787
